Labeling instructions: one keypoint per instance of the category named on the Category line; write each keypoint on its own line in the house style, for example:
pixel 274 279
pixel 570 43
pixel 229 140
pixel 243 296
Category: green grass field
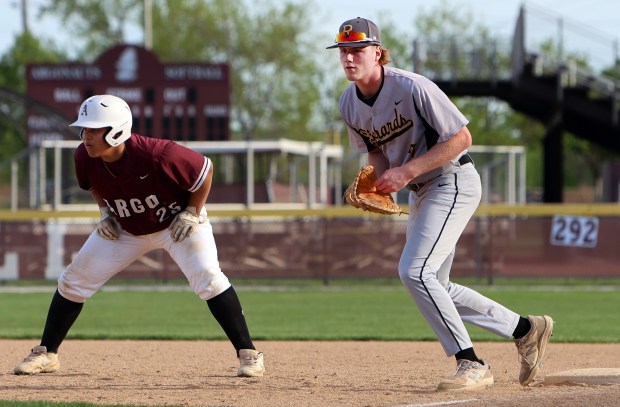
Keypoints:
pixel 584 311
pixel 310 311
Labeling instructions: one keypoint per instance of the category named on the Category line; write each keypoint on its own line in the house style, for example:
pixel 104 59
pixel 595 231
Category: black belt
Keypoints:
pixel 465 159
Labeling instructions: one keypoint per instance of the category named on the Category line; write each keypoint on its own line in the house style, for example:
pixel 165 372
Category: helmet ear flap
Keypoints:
pixel 113 139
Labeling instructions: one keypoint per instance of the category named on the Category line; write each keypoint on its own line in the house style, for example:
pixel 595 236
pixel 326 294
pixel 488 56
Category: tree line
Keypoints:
pixel 284 82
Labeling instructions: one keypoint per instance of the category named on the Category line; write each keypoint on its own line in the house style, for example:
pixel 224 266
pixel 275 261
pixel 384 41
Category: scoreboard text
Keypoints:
pixel 180 101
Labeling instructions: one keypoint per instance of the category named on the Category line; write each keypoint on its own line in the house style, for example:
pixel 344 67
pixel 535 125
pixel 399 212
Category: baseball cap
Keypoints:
pixel 357 32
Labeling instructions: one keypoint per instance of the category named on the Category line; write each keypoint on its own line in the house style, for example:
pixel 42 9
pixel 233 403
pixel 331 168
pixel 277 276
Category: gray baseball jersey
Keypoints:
pixel 407 117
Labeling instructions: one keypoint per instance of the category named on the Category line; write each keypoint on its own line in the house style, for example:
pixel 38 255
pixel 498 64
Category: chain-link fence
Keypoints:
pixel 326 248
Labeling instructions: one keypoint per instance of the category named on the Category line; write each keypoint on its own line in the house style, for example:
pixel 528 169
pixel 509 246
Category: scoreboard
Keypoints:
pixel 178 101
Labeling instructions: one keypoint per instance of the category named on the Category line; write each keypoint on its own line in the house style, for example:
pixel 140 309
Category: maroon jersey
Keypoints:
pixel 149 185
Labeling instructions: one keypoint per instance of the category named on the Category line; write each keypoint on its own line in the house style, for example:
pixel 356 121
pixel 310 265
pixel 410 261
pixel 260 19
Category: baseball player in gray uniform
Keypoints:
pixel 151 194
pixel 417 139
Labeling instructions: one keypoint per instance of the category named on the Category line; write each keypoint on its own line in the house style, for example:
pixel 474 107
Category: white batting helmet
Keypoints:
pixel 101 111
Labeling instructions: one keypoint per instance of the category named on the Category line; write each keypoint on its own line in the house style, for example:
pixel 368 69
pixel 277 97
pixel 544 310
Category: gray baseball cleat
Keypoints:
pixel 532 347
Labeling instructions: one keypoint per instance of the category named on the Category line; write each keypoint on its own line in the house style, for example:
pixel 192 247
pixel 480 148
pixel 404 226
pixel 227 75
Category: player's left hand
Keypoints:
pixel 184 224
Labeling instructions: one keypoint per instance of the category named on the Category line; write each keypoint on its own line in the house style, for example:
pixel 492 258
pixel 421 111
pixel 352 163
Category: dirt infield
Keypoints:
pixel 313 374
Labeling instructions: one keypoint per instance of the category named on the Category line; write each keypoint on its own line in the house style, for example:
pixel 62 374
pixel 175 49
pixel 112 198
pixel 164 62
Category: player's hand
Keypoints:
pixel 108 227
pixel 392 180
pixel 184 224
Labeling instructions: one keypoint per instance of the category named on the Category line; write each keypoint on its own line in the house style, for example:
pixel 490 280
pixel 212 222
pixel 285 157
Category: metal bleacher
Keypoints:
pixel 564 88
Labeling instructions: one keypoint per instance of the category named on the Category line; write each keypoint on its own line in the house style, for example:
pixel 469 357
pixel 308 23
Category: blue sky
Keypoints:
pixel 594 19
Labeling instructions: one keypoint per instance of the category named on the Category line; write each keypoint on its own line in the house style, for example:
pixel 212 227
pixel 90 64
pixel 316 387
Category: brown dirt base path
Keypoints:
pixel 313 374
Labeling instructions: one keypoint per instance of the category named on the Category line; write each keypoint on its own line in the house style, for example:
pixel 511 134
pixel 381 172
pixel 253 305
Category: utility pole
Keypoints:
pixel 25 16
pixel 148 24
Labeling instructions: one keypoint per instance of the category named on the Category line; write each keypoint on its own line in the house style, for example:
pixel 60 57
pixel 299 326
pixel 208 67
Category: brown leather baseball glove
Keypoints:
pixel 363 194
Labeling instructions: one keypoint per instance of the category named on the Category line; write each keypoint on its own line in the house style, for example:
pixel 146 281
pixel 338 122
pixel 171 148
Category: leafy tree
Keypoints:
pixel 279 86
pixel 582 159
pixel 274 77
pixel 443 37
pixel 613 71
pixel 95 25
pixel 397 39
pixel 493 122
pixel 442 34
pixel 26 49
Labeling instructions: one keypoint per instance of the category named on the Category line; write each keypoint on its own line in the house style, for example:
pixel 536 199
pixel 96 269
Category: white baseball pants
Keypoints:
pixel 99 260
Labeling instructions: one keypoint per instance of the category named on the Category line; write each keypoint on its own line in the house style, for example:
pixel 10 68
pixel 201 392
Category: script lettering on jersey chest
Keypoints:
pixel 396 127
pixel 124 208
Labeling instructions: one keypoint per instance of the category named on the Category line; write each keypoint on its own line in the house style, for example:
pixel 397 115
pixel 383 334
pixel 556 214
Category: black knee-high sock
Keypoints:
pixel 226 309
pixel 60 317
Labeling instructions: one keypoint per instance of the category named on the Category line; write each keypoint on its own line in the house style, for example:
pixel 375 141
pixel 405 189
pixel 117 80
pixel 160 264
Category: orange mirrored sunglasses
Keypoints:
pixel 351 36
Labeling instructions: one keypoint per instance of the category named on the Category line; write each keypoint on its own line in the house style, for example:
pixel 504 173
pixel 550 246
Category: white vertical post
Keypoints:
pixel 14 185
pixel 271 179
pixel 338 183
pixel 229 169
pixel 522 178
pixel 56 230
pixel 292 173
pixel 42 196
pixel 511 193
pixel 323 177
pixel 485 185
pixel 311 177
pixel 9 271
pixel 57 178
pixel 32 182
pixel 249 173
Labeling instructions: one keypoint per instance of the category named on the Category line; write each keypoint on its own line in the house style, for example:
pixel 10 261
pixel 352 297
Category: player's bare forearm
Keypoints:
pixel 397 178
pixel 198 198
pixel 439 154
pixel 98 199
pixel 378 161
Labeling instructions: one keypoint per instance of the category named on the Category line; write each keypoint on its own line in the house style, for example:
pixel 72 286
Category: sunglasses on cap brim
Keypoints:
pixel 351 36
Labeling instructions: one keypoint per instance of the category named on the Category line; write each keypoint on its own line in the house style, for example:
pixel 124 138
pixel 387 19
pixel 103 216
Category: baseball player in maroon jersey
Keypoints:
pixel 151 194
pixel 417 139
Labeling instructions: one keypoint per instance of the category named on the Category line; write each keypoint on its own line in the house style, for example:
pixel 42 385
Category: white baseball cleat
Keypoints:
pixel 39 361
pixel 468 376
pixel 252 364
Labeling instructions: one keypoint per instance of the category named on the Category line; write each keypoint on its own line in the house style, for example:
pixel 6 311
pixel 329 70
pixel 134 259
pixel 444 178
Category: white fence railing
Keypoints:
pixel 49 183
